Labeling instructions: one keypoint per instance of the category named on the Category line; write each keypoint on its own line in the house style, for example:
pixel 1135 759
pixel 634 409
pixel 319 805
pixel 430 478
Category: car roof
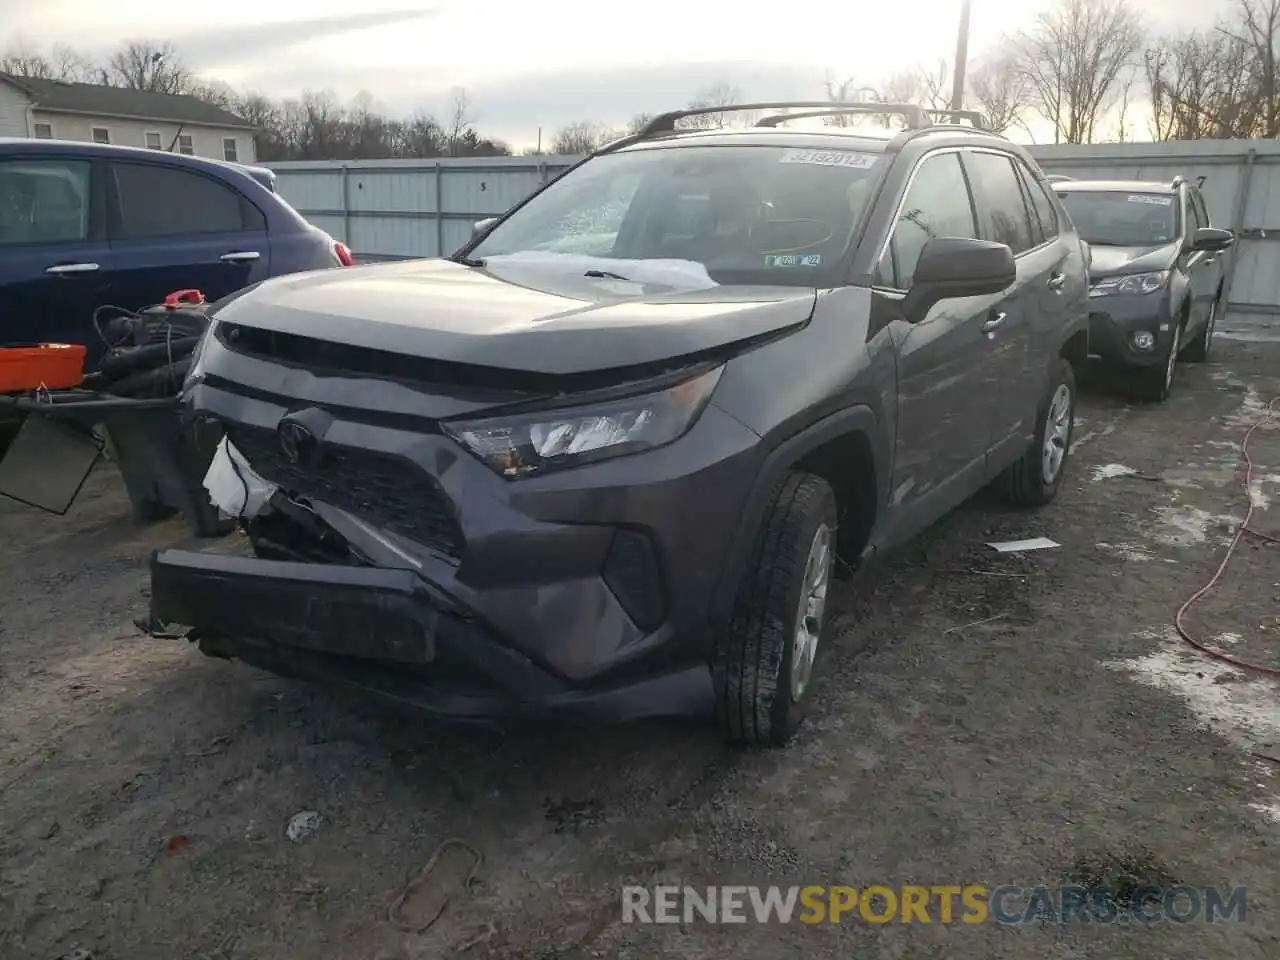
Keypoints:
pixel 1113 186
pixel 81 148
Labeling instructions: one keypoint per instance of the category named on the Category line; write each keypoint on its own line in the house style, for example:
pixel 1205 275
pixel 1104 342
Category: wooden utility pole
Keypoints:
pixel 962 58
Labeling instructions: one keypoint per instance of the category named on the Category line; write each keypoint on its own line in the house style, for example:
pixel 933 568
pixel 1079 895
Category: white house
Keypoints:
pixel 57 110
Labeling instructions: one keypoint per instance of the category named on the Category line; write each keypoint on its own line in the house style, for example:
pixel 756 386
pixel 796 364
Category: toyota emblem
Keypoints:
pixel 297 442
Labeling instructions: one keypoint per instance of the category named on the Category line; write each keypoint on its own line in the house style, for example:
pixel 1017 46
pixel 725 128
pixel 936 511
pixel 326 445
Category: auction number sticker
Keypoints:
pixel 1148 198
pixel 831 158
pixel 793 260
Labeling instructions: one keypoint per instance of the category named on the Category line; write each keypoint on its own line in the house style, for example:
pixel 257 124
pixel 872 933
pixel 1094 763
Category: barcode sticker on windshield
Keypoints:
pixel 793 260
pixel 831 158
pixel 1148 198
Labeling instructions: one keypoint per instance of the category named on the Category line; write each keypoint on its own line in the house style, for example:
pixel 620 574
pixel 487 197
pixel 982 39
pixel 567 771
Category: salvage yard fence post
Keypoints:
pixel 401 209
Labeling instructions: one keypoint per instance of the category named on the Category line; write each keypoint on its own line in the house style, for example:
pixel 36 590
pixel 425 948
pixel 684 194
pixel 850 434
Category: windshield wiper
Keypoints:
pixel 605 275
pixel 467 261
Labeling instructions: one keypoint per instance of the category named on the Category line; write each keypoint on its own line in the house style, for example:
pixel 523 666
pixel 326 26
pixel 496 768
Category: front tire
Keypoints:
pixel 1197 350
pixel 1154 383
pixel 1035 478
pixel 764 665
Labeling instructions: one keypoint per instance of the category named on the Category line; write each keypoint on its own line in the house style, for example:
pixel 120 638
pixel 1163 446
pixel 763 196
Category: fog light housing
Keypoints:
pixel 1143 340
pixel 632 571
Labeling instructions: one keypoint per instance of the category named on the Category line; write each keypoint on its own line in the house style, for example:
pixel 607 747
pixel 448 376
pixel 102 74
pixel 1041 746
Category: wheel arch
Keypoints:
pixel 848 449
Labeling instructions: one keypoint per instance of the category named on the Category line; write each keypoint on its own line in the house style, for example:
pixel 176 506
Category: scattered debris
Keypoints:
pixel 77 953
pixel 177 843
pixel 1022 546
pixel 976 623
pixel 1110 470
pixel 302 825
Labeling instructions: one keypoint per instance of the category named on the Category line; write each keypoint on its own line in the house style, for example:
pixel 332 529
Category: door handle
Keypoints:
pixel 1210 260
pixel 994 320
pixel 1057 281
pixel 240 256
pixel 63 269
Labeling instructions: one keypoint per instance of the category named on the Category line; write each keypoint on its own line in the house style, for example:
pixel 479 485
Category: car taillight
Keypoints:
pixel 343 254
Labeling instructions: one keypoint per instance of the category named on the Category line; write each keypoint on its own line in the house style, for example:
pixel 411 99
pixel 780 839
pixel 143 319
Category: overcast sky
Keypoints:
pixel 531 63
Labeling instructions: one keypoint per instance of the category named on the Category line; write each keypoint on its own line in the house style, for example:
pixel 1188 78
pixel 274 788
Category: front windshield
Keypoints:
pixel 1114 218
pixel 736 214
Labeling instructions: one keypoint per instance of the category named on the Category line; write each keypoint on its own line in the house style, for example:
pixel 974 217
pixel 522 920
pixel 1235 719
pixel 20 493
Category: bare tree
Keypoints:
pixel 144 65
pixel 935 86
pixel 62 63
pixel 1072 57
pixel 582 137
pixel 1205 85
pixel 1258 30
pixel 720 94
pixel 460 121
pixel 1001 92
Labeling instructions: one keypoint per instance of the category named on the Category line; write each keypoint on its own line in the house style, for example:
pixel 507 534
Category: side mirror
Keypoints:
pixel 481 226
pixel 1211 239
pixel 958 267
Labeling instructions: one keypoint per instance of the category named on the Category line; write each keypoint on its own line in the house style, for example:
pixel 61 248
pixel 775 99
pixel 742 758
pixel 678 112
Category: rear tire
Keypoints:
pixel 1154 383
pixel 763 665
pixel 1035 478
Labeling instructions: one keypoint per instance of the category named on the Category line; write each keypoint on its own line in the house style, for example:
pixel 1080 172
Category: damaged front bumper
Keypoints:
pixel 389 634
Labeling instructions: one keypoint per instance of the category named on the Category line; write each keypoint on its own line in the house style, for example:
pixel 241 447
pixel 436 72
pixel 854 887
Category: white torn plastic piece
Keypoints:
pixel 233 486
pixel 1021 546
pixel 683 274
pixel 1113 470
pixel 302 825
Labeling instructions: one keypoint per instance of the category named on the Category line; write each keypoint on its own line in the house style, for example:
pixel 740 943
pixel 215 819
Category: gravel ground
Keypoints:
pixel 981 719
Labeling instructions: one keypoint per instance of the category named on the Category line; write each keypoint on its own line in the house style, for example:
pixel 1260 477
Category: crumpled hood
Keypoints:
pixel 1110 261
pixel 534 320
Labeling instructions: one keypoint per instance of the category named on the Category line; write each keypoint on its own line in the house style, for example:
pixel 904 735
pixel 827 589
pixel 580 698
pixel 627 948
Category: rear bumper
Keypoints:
pixel 390 634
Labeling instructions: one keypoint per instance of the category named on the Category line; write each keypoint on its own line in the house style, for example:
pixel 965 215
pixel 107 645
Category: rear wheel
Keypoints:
pixel 764 664
pixel 1197 350
pixel 1035 478
pixel 1153 383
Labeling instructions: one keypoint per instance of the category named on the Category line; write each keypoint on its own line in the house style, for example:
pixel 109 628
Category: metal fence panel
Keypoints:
pixel 390 209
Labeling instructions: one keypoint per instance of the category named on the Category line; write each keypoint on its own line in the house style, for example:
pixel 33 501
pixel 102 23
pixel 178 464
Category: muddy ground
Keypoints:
pixel 981 719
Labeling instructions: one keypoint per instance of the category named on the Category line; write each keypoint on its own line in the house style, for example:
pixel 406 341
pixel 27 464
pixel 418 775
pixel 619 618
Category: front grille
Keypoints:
pixel 387 491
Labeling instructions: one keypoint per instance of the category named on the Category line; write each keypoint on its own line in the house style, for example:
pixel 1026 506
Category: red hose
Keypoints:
pixel 1213 581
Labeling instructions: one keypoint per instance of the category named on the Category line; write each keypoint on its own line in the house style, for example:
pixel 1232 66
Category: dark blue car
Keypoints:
pixel 84 225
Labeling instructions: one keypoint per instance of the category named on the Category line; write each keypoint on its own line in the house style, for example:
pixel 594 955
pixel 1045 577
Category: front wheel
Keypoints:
pixel 1154 383
pixel 1035 478
pixel 1197 350
pixel 764 664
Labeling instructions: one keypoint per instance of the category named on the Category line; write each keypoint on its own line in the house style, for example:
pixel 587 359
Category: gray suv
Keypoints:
pixel 610 456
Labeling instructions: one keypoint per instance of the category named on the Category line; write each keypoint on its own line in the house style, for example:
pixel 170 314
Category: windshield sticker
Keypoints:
pixel 793 260
pixel 1147 198
pixel 831 158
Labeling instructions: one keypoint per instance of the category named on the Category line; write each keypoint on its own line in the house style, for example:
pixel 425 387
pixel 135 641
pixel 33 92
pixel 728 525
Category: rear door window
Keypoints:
pixel 1042 205
pixel 44 201
pixel 1002 209
pixel 937 204
pixel 159 201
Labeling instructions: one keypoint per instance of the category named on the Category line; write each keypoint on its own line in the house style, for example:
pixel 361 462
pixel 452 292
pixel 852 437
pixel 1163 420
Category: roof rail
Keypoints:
pixel 906 111
pixel 973 116
pixel 666 122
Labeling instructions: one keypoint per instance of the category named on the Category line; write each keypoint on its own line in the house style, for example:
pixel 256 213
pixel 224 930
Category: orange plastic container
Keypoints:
pixel 53 366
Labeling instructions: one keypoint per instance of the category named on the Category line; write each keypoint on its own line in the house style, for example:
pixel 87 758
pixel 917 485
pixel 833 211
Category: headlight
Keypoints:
pixel 194 371
pixel 525 443
pixel 1134 284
